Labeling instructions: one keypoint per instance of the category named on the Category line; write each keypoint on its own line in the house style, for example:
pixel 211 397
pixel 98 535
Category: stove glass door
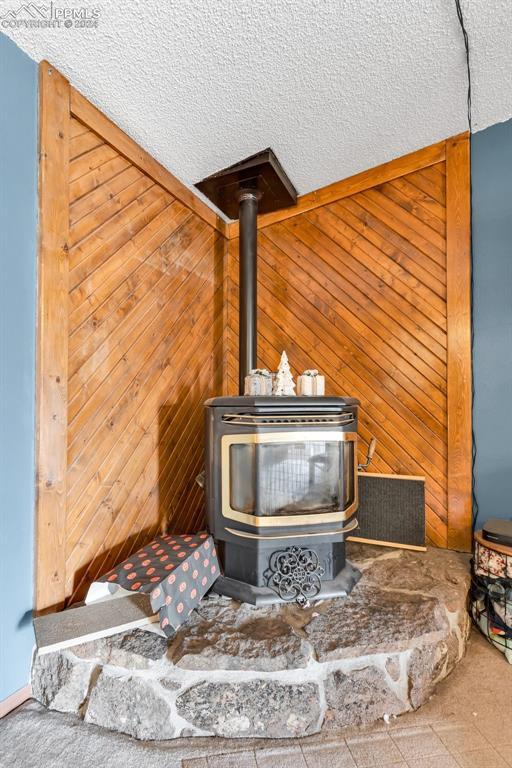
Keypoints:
pixel 291 478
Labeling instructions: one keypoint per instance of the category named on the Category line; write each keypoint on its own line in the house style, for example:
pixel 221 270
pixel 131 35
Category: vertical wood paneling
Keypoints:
pixel 356 282
pixel 458 210
pixel 52 345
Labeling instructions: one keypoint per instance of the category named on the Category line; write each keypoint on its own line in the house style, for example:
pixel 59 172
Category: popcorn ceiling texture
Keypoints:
pixel 333 86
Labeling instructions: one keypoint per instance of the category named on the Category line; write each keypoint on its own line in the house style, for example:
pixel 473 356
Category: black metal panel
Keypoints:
pixel 293 404
pixel 498 531
pixel 391 509
pixel 249 561
pixel 216 428
pixel 340 586
pixel 261 171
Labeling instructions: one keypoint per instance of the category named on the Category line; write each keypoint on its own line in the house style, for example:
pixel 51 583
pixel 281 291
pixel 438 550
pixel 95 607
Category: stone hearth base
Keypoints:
pixel 277 671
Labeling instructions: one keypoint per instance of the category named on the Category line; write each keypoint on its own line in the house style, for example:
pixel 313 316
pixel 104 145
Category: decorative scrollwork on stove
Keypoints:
pixel 295 574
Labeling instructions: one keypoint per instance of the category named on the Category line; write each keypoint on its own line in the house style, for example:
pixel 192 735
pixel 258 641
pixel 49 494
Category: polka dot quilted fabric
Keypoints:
pixel 176 572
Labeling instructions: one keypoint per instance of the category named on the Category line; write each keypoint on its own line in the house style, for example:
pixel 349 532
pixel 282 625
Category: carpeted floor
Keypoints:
pixel 466 724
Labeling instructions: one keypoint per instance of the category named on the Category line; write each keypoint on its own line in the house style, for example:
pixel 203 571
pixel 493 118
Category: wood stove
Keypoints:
pixel 281 472
pixel 281 490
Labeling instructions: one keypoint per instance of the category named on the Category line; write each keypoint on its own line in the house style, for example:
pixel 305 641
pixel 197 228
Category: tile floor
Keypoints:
pixel 466 724
pixel 435 746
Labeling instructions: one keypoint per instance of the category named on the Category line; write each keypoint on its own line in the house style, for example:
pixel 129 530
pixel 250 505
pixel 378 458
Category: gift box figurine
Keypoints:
pixel 176 572
pixel 258 382
pixel 311 384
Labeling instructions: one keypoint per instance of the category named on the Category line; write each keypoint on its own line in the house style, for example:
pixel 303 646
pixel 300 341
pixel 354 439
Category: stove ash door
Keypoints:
pixel 290 478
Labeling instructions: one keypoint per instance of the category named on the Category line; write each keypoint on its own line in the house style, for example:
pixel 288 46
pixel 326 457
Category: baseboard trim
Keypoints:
pixel 14 700
pixel 361 540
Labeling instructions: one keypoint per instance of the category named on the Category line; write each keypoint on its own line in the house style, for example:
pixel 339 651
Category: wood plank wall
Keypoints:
pixel 133 317
pixel 145 351
pixel 355 281
pixel 367 279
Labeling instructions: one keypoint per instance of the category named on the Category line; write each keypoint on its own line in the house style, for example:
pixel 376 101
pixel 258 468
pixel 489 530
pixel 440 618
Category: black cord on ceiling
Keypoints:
pixel 460 16
pixel 465 36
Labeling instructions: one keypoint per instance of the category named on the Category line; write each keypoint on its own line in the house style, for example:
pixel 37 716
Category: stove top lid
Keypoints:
pixel 264 401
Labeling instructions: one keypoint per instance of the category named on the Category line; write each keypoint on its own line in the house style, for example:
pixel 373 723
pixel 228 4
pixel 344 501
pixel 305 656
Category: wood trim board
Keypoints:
pixel 15 700
pixel 52 336
pixel 458 301
pixel 420 478
pixel 394 545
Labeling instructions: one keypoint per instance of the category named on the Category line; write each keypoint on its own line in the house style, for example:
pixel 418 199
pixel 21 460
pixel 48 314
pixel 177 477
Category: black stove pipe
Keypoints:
pixel 248 231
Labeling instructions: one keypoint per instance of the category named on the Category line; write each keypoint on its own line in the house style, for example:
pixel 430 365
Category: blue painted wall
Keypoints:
pixel 18 231
pixel 492 315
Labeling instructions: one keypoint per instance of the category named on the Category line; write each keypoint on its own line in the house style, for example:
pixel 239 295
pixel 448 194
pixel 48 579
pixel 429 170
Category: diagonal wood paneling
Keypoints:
pixel 145 349
pixel 357 288
pixel 138 326
pixel 132 313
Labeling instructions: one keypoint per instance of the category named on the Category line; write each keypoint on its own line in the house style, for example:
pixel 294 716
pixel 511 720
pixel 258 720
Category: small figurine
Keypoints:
pixel 258 382
pixel 284 386
pixel 311 384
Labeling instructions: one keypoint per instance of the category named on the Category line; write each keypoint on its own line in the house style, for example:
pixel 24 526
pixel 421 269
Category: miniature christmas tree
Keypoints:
pixel 284 384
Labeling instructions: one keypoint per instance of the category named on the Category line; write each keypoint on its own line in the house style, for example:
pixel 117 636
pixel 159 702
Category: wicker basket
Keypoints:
pixel 491 593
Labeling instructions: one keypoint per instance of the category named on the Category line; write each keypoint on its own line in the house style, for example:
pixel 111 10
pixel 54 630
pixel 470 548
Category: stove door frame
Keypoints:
pixel 283 521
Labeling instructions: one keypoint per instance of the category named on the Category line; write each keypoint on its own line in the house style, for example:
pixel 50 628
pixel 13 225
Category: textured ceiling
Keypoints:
pixel 333 86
